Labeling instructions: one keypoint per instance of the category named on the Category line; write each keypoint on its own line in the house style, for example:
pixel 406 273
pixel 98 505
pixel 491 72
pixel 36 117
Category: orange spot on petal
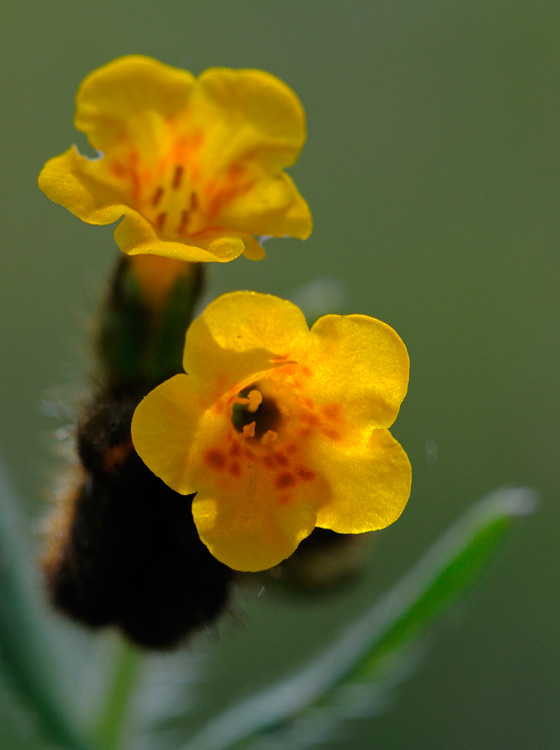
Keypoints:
pixel 332 434
pixel 312 419
pixel 285 480
pixel 215 458
pixel 235 469
pixel 331 411
pixel 304 473
pixel 235 171
pixel 118 170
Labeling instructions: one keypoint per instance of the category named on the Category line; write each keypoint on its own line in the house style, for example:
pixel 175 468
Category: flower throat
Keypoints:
pixel 252 408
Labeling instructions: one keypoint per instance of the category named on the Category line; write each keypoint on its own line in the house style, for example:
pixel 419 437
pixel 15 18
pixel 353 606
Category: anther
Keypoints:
pixel 157 196
pixel 177 177
pixel 184 221
pixel 254 399
pixel 270 436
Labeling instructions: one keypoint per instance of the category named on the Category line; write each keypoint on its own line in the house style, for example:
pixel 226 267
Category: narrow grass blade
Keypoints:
pixel 26 653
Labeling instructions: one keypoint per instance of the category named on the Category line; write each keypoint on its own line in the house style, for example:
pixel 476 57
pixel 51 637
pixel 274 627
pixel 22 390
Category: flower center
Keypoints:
pixel 254 414
pixel 173 205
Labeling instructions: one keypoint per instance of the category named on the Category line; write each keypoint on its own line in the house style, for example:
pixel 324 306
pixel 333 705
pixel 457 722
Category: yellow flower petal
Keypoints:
pixel 253 249
pixel 136 235
pixel 369 482
pixel 271 206
pixel 195 166
pixel 173 408
pixel 360 363
pixel 240 335
pixel 247 532
pixel 123 90
pixel 256 119
pixel 78 184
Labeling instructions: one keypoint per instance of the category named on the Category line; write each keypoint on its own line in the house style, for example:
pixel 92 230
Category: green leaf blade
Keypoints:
pixel 391 624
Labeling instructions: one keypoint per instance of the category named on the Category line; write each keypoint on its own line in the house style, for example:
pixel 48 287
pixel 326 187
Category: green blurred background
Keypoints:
pixel 432 171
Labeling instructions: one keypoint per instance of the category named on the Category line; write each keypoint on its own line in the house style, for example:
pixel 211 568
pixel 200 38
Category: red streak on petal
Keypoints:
pixel 282 459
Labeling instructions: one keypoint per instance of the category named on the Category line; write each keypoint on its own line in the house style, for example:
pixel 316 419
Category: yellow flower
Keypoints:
pixel 195 166
pixel 279 428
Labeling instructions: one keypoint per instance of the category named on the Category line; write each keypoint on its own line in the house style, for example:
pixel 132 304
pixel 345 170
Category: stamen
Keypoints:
pixel 254 399
pixel 184 221
pixel 249 430
pixel 157 196
pixel 269 437
pixel 177 177
pixel 250 407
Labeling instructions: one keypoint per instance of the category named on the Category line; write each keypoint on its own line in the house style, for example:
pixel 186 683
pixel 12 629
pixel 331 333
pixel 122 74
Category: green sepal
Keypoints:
pixel 137 342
